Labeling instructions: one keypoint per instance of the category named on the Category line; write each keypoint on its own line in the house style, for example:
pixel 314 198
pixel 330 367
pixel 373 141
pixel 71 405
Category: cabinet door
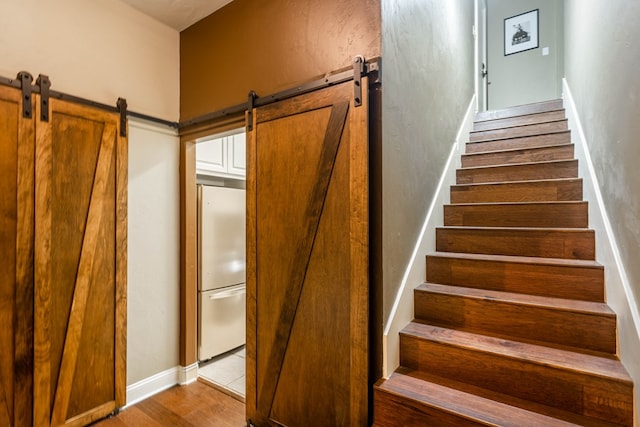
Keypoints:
pixel 211 156
pixel 16 258
pixel 236 149
pixel 80 265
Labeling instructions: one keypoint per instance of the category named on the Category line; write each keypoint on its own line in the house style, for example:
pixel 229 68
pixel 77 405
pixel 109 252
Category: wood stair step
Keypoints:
pixel 412 398
pixel 534 214
pixel 519 120
pixel 566 189
pixel 568 243
pixel 524 155
pixel 554 138
pixel 582 325
pixel 518 172
pixel 520 110
pixel 552 277
pixel 592 386
pixel 517 131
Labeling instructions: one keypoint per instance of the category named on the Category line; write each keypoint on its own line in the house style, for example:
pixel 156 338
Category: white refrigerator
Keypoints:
pixel 221 270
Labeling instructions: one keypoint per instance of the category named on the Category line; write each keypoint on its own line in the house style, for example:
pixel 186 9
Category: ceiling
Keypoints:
pixel 178 14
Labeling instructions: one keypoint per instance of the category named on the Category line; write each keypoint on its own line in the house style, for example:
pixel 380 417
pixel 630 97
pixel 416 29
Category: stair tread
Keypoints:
pixel 522 299
pixel 529 127
pixel 520 110
pixel 522 125
pixel 548 180
pixel 547 356
pixel 516 150
pixel 511 165
pixel 520 259
pixel 468 405
pixel 502 138
pixel 534 203
pixel 533 229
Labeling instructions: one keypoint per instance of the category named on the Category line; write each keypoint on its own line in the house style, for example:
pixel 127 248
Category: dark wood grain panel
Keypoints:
pixel 556 278
pixel 518 131
pixel 538 154
pixel 567 189
pixel 520 110
pixel 541 214
pixel 519 120
pixel 507 143
pixel 520 172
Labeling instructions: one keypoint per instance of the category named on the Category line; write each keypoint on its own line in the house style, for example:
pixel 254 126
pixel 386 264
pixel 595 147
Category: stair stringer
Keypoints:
pixel 402 310
pixel 619 293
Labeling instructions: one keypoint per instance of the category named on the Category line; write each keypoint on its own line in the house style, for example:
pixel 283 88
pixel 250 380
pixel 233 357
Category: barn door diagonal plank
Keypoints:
pixel 83 279
pixel 303 251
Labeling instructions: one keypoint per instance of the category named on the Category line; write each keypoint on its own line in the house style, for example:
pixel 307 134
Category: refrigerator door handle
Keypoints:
pixel 228 294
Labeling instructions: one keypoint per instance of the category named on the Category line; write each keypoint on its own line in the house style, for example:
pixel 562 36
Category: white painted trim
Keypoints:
pixel 619 293
pixel 188 374
pixel 402 310
pixel 154 384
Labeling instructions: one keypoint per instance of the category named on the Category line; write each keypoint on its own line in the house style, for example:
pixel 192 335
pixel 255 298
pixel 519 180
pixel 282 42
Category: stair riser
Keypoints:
pixel 579 244
pixel 589 395
pixel 561 152
pixel 392 411
pixel 520 110
pixel 519 143
pixel 526 172
pixel 518 192
pixel 580 283
pixel 514 132
pixel 519 121
pixel 595 332
pixel 569 215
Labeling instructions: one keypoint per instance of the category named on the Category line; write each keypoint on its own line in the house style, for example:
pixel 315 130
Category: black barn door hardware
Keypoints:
pixel 358 68
pixel 250 105
pixel 25 82
pixel 44 83
pixel 122 109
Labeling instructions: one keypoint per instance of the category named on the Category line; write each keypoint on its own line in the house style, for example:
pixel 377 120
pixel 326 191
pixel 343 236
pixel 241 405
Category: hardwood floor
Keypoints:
pixel 194 405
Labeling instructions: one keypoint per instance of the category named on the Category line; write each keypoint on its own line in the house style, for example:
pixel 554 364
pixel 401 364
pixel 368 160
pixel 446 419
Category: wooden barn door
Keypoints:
pixel 16 259
pixel 80 265
pixel 307 261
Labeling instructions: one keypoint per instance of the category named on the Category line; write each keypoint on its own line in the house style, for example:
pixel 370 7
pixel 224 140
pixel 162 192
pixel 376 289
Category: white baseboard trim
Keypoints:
pixel 402 310
pixel 619 293
pixel 154 384
pixel 187 374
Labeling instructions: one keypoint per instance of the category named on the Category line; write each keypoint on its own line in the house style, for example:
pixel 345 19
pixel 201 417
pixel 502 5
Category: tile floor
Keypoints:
pixel 226 370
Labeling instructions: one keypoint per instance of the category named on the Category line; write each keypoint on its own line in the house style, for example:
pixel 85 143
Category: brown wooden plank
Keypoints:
pixel 518 172
pixel 519 120
pixel 526 155
pixel 552 277
pixel 538 214
pixel 520 110
pixel 251 248
pixel 584 384
pixel 534 242
pixel 83 280
pixel 566 189
pixel 584 325
pixel 303 250
pixel 121 271
pixel 188 254
pixel 556 138
pixel 518 131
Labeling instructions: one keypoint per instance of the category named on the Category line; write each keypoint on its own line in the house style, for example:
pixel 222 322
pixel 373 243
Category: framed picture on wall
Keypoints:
pixel 521 32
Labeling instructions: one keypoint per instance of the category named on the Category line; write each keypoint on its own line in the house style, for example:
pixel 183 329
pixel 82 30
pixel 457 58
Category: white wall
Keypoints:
pixel 601 61
pixel 528 76
pixel 102 50
pixel 98 49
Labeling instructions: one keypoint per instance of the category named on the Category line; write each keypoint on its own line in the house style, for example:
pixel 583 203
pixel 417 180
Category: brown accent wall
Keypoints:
pixel 269 46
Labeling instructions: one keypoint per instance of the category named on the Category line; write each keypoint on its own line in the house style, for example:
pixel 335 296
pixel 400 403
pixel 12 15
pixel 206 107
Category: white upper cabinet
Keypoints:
pixel 224 156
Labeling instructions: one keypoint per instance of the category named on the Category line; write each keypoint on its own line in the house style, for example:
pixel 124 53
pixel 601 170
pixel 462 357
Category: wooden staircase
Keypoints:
pixel 511 327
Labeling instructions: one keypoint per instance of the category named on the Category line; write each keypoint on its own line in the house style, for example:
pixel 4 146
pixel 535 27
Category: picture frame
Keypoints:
pixel 521 32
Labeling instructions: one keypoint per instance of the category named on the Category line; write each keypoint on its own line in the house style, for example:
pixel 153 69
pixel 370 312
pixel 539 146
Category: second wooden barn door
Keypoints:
pixel 80 265
pixel 307 261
